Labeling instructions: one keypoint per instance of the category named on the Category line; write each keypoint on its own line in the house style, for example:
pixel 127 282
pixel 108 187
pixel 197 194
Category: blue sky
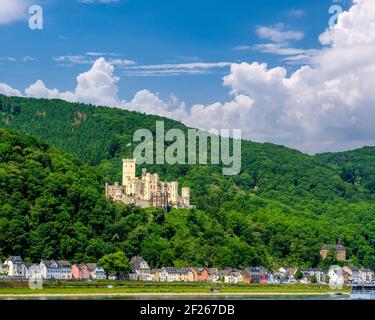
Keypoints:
pixel 154 32
pixel 275 69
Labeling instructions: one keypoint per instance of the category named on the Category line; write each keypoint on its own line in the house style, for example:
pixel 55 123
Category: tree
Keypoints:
pixel 116 262
pixel 298 275
pixel 314 279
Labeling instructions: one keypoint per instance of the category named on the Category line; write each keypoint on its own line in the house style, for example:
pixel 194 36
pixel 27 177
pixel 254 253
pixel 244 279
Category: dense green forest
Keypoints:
pixel 279 210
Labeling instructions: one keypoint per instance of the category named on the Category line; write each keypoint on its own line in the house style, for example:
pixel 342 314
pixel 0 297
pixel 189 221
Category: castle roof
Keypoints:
pixel 336 246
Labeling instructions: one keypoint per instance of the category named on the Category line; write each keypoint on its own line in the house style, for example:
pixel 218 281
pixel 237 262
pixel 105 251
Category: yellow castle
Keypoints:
pixel 147 191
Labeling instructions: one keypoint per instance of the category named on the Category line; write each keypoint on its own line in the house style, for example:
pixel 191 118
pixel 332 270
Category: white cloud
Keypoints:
pixel 97 86
pixel 280 39
pixel 297 13
pixel 276 48
pixel 122 62
pixel 39 90
pixel 328 105
pixel 176 69
pixel 278 33
pixel 28 59
pixel 7 59
pixel 73 59
pixel 90 58
pixel 150 103
pixel 9 91
pixel 13 10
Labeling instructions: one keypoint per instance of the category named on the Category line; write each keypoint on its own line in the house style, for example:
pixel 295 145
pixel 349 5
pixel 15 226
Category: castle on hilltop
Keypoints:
pixel 147 191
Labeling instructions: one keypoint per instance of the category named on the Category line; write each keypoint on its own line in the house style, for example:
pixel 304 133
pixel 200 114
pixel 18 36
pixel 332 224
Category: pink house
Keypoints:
pixel 88 271
pixel 80 272
pixel 75 271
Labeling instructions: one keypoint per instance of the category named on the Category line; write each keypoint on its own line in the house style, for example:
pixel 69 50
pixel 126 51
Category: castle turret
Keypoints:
pixel 128 170
pixel 185 194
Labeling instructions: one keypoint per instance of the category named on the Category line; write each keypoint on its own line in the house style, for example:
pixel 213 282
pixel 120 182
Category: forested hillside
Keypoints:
pixel 279 210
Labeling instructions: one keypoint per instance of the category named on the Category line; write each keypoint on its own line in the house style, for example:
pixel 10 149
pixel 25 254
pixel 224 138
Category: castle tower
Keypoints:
pixel 185 194
pixel 128 170
pixel 173 192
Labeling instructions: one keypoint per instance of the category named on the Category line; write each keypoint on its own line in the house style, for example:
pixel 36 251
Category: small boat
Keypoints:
pixel 363 291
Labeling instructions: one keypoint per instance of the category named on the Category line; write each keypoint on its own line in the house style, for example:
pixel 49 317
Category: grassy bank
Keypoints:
pixel 124 287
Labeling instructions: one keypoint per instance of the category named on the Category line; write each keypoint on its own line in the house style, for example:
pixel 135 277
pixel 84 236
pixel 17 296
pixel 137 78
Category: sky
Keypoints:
pixel 278 70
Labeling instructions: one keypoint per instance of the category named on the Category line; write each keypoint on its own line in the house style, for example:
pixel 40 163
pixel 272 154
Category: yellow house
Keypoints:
pixel 339 247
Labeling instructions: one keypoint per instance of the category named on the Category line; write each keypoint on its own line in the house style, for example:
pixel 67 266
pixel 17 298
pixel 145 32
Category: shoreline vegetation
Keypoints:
pixel 129 288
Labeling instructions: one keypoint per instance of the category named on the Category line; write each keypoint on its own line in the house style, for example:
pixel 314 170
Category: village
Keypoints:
pixel 15 269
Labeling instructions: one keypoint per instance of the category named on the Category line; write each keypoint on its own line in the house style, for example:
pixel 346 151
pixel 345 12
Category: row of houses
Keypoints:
pixel 15 268
pixel 255 275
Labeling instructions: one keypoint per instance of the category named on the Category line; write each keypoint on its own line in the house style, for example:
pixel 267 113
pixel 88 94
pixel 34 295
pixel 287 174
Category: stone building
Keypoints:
pixel 338 247
pixel 148 190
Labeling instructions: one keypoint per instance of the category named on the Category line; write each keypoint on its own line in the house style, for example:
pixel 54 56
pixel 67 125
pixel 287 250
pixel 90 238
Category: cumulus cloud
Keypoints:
pixel 13 10
pixel 327 105
pixel 39 90
pixel 9 91
pixel 97 86
pixel 150 103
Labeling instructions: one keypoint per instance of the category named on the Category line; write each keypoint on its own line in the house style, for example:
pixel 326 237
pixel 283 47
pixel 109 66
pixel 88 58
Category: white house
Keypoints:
pixel 96 272
pixel 140 269
pixel 213 275
pixel 366 275
pixel 33 271
pixel 14 267
pixel 170 274
pixel 309 273
pixel 59 270
pixel 231 276
pixel 336 277
pixel 354 274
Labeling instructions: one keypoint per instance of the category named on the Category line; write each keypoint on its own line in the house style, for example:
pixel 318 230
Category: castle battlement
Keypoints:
pixel 148 190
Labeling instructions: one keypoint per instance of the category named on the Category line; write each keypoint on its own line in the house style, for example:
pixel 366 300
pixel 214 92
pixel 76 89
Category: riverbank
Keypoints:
pixel 139 289
pixel 166 295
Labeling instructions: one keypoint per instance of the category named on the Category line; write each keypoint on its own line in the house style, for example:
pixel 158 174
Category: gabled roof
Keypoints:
pixel 172 270
pixel 230 272
pixel 91 266
pixel 336 246
pixel 136 262
pixel 58 263
pixel 64 264
pixel 213 271
pixel 200 270
pixel 290 271
pixel 15 259
pixel 49 263
pixel 155 271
